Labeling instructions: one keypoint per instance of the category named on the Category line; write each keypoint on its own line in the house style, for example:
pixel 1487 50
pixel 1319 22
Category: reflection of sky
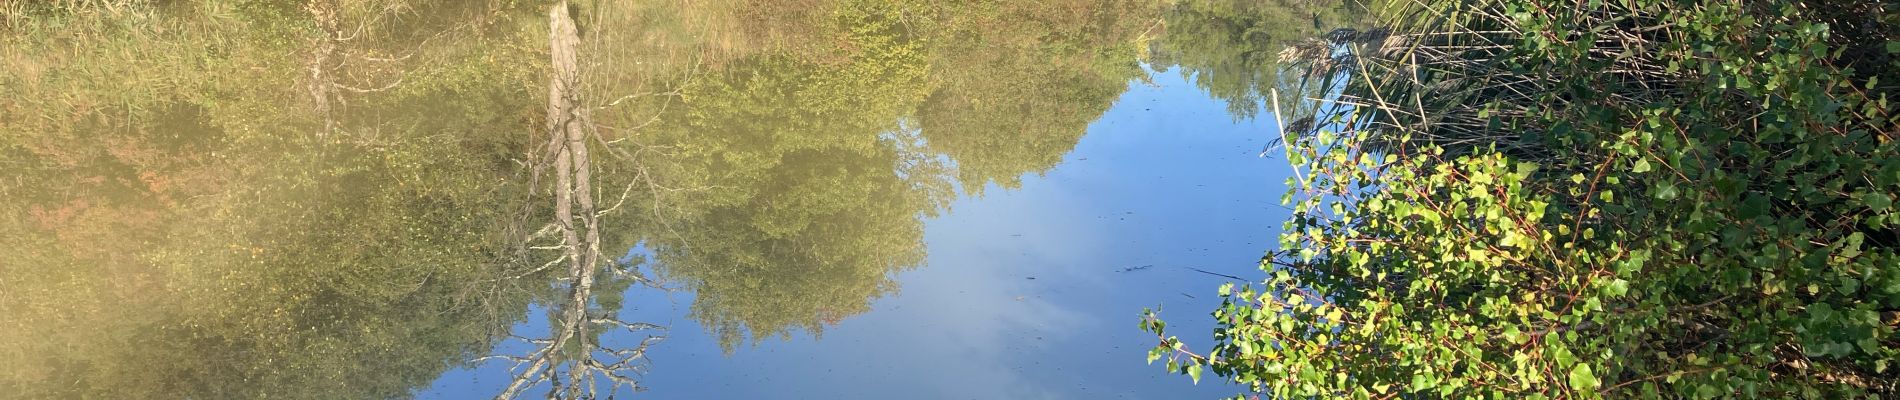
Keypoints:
pixel 1023 295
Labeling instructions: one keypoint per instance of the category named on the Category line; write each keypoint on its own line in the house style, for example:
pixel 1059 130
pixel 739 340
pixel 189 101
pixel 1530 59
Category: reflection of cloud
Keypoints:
pixel 1145 188
pixel 1171 188
pixel 976 306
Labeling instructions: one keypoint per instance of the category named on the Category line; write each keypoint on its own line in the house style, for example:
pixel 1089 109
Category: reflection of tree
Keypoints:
pixel 817 160
pixel 1019 83
pixel 817 204
pixel 578 318
pixel 189 235
pixel 1231 47
pixel 815 246
pixel 823 164
pixel 273 200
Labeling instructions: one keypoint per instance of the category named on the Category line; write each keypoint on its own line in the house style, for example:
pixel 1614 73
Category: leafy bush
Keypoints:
pixel 1619 198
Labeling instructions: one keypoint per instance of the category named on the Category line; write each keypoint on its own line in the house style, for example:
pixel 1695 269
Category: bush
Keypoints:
pixel 1629 198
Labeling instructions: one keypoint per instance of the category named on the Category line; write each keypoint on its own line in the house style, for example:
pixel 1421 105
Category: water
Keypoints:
pixel 1027 293
pixel 869 200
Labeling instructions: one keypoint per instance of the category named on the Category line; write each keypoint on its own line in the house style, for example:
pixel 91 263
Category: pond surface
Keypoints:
pixel 1026 293
pixel 815 199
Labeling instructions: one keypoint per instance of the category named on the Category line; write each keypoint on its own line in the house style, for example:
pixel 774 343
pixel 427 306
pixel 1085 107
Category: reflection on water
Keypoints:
pixel 349 198
pixel 1232 47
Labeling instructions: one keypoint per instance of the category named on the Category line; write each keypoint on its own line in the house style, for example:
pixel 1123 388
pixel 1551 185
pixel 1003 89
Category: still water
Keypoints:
pixel 1028 293
pixel 708 199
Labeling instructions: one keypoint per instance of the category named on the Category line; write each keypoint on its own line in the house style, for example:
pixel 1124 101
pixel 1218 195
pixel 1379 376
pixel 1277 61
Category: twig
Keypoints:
pixel 1217 274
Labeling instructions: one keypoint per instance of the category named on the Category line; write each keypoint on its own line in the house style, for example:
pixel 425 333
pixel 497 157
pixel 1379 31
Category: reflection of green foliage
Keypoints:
pixel 192 219
pixel 189 236
pixel 837 225
pixel 1231 47
pixel 1019 83
pixel 811 212
pixel 814 188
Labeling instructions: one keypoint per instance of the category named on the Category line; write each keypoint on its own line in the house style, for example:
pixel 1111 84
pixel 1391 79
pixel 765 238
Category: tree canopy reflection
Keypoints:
pixel 809 210
pixel 1231 48
pixel 189 227
pixel 334 198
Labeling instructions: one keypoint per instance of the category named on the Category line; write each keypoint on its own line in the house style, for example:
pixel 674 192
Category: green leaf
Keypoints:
pixel 1582 379
pixel 1616 288
pixel 1194 371
pixel 1877 202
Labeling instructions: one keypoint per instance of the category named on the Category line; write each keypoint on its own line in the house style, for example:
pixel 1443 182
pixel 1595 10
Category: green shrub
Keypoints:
pixel 1635 198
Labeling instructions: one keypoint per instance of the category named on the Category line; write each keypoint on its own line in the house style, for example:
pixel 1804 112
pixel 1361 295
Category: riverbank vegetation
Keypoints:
pixel 1619 198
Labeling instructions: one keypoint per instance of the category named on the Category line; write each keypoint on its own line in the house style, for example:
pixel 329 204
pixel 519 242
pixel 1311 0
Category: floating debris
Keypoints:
pixel 1136 268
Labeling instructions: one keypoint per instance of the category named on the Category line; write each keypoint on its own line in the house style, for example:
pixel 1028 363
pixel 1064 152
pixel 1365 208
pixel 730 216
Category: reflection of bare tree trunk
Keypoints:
pixel 321 90
pixel 580 245
pixel 332 53
pixel 572 167
pixel 566 122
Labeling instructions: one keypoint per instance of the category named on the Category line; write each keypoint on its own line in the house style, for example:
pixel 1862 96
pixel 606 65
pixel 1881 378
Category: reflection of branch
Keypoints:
pixel 543 364
pixel 641 172
pixel 324 62
pixel 543 267
pixel 386 59
pixel 623 199
pixel 359 90
pixel 629 326
pixel 580 247
pixel 616 102
pixel 324 12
